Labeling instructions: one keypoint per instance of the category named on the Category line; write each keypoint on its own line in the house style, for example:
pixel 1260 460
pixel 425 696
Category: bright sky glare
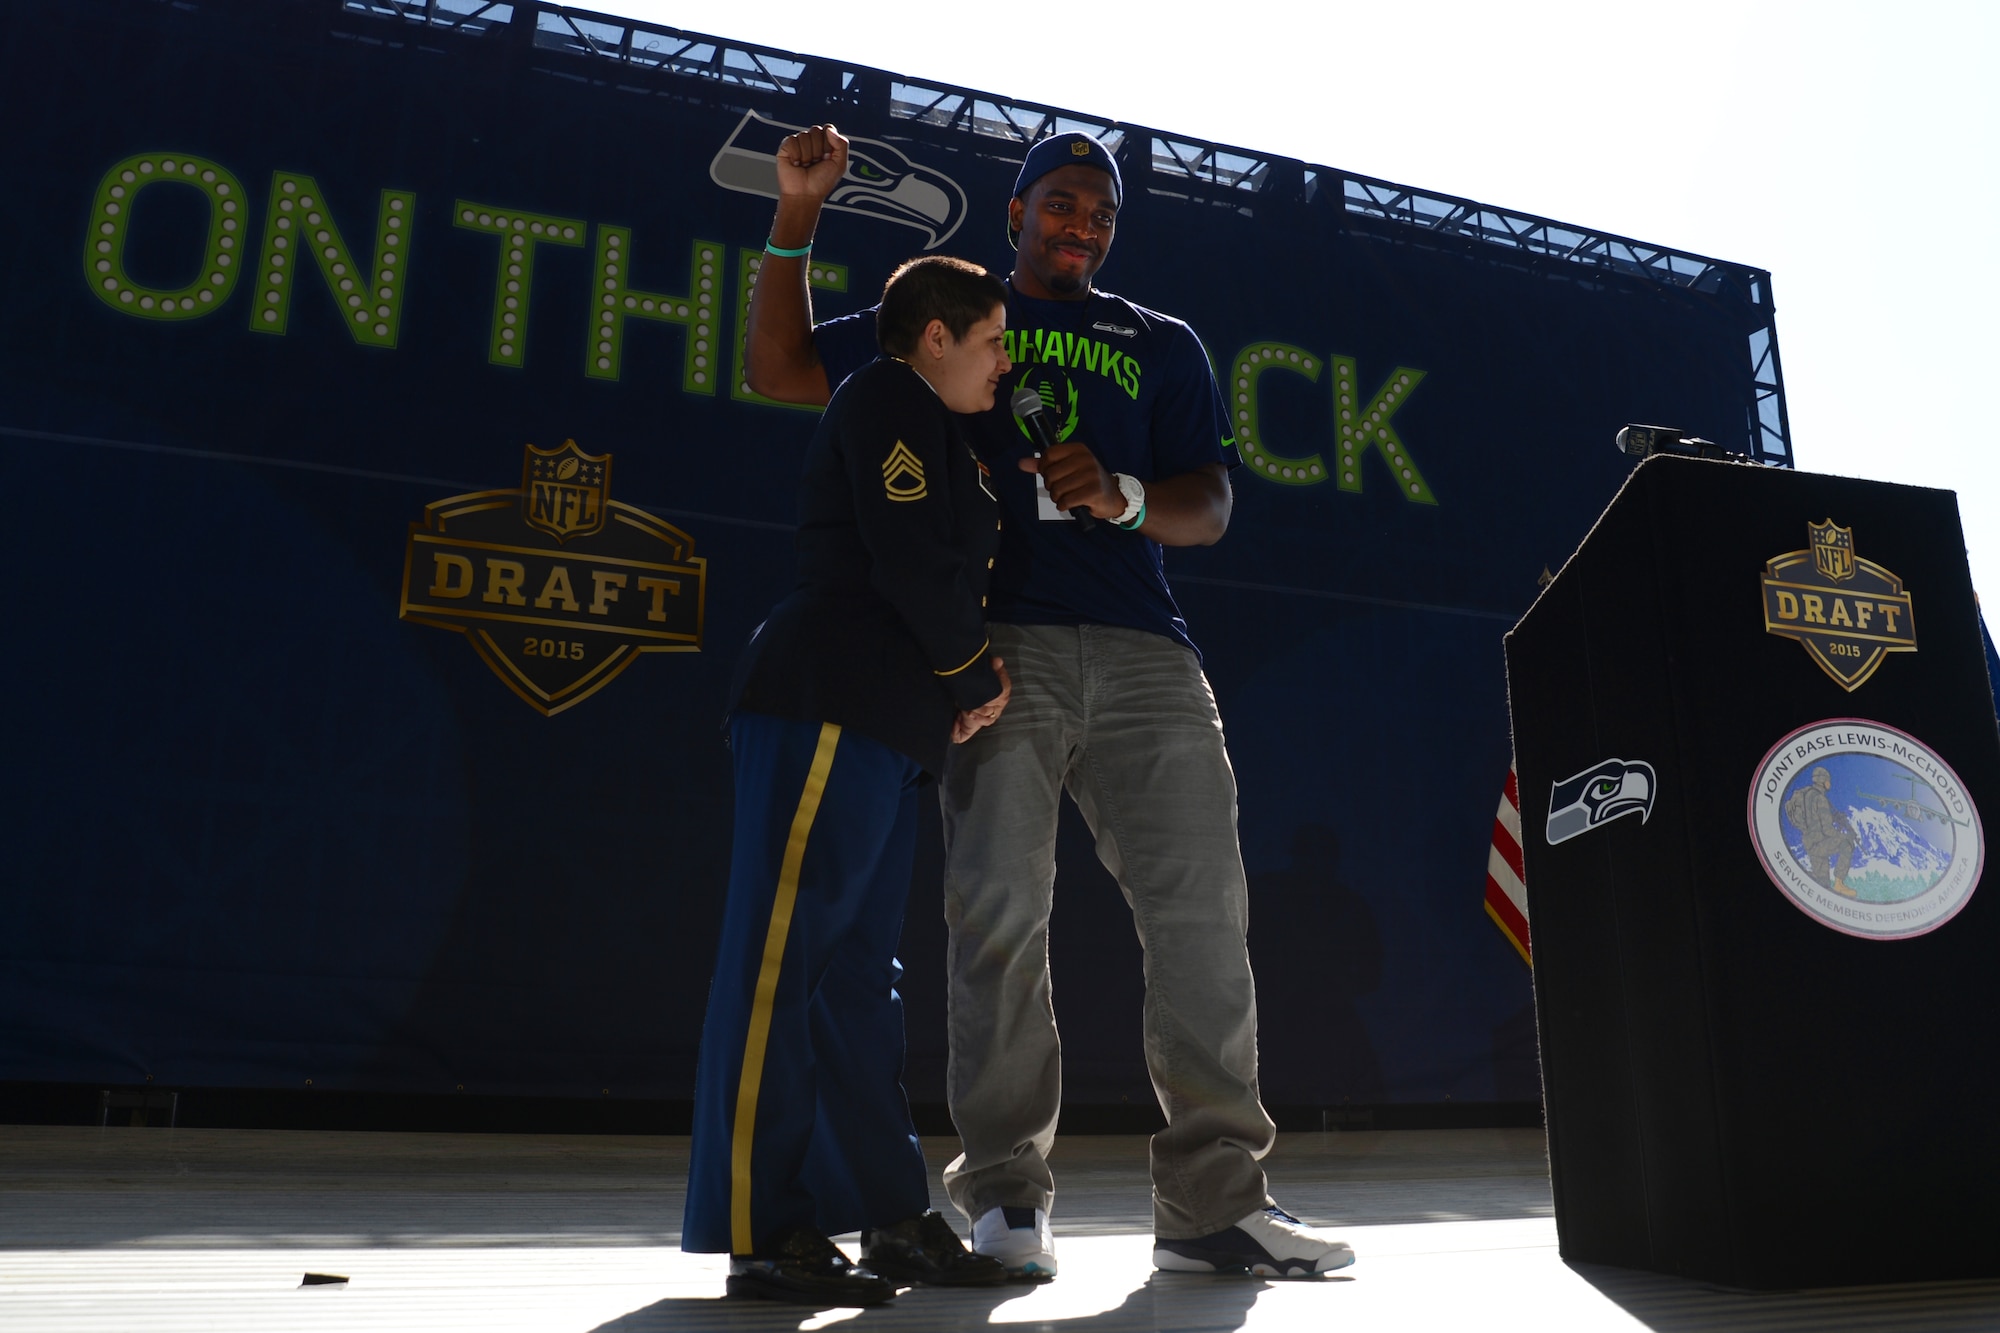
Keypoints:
pixel 1851 149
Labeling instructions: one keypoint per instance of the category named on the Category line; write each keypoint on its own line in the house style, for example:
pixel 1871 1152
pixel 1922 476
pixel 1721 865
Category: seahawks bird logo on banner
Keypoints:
pixel 880 181
pixel 1599 795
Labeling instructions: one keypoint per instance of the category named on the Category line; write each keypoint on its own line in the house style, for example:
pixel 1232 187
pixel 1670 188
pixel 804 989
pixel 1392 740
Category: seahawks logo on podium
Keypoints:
pixel 880 183
pixel 1598 795
pixel 558 586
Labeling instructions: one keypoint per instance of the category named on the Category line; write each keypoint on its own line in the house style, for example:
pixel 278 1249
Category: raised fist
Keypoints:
pixel 811 163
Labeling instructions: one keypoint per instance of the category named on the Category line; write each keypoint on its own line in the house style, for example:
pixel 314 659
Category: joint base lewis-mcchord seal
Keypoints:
pixel 1865 829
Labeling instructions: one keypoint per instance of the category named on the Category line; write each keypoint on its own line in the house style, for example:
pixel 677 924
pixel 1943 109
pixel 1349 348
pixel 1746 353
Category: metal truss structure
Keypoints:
pixel 646 57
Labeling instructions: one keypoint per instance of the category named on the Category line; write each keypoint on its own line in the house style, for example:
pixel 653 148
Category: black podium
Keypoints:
pixel 1758 764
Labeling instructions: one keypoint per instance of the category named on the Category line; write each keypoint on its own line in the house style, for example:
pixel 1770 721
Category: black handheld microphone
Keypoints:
pixel 1645 441
pixel 1027 405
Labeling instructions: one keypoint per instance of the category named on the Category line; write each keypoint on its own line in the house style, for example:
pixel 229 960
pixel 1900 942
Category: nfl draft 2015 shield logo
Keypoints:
pixel 1848 613
pixel 559 587
pixel 1866 829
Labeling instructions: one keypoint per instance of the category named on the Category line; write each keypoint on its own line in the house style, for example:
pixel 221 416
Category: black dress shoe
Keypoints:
pixel 805 1268
pixel 925 1249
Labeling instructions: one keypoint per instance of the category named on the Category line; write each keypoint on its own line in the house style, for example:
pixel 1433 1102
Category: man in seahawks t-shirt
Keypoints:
pixel 1109 704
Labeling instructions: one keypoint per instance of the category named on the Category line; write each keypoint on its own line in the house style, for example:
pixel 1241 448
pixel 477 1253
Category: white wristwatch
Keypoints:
pixel 1135 499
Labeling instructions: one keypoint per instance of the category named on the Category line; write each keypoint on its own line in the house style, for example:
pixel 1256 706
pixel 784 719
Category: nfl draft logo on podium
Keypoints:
pixel 1847 612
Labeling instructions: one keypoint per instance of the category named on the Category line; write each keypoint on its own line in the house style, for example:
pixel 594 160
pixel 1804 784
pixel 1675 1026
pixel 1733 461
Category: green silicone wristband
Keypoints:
pixel 772 248
pixel 1137 518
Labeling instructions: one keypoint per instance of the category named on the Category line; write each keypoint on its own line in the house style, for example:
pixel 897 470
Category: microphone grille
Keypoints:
pixel 1025 402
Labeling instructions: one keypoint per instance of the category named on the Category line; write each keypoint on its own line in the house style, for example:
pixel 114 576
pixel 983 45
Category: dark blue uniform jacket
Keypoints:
pixel 885 632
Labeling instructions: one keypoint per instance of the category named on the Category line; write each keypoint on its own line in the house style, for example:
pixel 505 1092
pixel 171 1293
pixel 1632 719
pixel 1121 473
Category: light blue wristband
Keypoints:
pixel 771 248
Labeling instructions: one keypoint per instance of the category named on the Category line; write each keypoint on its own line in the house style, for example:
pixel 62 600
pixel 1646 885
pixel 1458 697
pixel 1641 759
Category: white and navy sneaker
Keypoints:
pixel 1268 1243
pixel 1018 1238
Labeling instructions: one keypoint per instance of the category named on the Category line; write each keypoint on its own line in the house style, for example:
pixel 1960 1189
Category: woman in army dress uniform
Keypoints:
pixel 847 699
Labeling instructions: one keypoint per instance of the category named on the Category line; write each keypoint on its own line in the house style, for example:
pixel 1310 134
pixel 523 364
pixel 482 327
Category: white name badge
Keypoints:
pixel 1045 506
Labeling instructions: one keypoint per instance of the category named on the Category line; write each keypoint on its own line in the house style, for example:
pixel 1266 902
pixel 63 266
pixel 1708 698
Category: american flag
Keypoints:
pixel 1506 888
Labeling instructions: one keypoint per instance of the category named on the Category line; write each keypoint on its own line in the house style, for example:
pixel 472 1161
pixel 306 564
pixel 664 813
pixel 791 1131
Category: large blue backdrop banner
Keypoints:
pixel 399 512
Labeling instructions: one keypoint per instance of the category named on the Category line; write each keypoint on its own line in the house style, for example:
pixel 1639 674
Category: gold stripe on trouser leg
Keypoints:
pixel 767 988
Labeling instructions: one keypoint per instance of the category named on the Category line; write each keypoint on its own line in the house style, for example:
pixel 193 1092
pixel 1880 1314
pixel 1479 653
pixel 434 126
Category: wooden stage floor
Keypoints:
pixel 211 1231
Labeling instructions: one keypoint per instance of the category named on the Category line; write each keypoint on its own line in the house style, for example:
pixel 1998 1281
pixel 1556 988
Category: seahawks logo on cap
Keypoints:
pixel 1599 795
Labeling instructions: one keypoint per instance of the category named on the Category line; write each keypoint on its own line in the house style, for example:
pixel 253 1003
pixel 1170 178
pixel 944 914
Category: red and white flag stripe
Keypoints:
pixel 1506 886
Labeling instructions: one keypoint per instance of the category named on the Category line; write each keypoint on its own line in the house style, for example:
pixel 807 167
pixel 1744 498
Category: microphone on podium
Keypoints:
pixel 1027 405
pixel 1645 441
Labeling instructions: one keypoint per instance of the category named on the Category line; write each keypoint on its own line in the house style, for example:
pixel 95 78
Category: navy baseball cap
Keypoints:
pixel 1062 150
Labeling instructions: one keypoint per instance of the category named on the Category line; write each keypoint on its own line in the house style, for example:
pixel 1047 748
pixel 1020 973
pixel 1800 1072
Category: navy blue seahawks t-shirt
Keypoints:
pixel 1132 384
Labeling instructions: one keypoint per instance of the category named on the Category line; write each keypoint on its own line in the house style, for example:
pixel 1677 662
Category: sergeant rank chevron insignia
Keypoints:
pixel 903 474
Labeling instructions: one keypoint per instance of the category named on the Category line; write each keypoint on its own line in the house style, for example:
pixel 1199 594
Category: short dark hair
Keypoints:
pixel 934 287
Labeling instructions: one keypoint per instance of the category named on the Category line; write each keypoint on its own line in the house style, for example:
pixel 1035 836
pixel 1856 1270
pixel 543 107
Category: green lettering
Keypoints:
pixel 297 224
pixel 521 234
pixel 617 301
pixel 110 223
pixel 1252 441
pixel 1362 427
